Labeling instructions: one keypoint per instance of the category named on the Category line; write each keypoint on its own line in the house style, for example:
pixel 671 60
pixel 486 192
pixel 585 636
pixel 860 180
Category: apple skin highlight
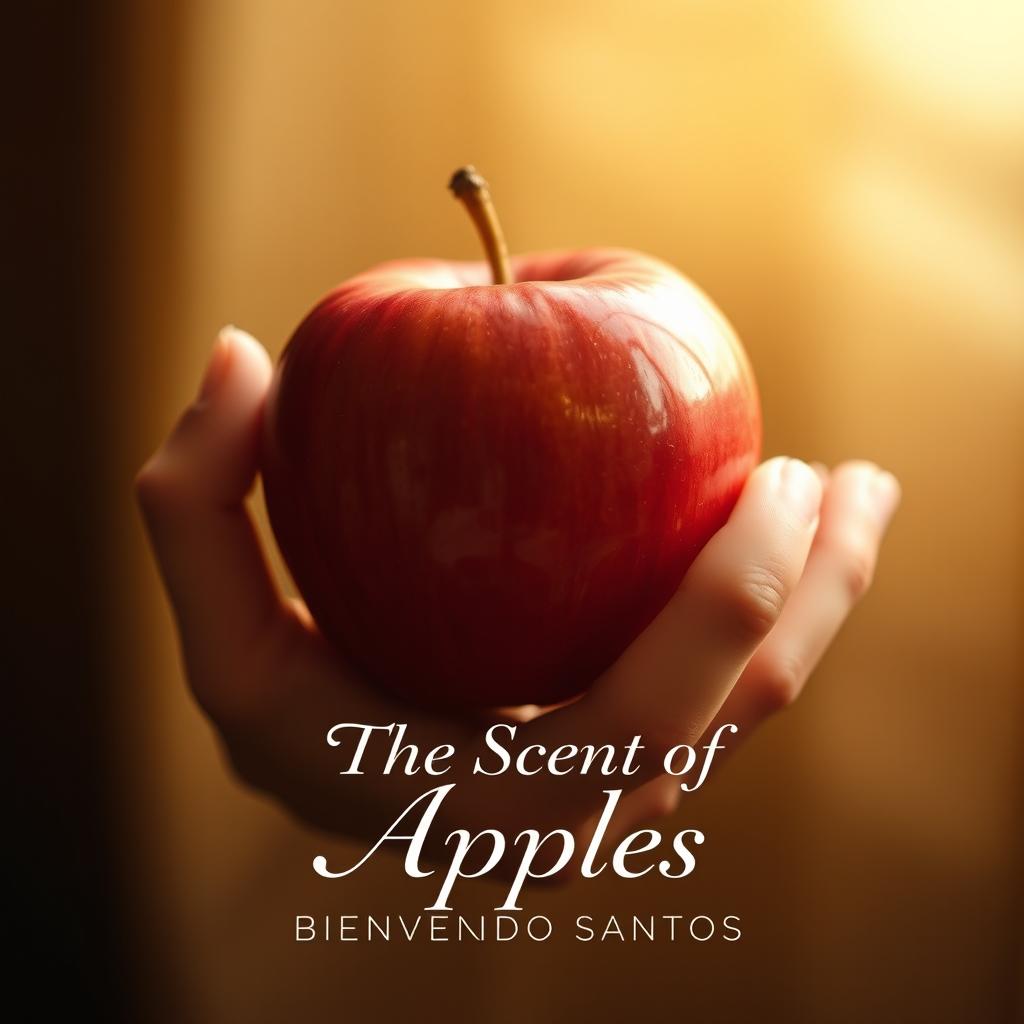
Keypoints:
pixel 486 492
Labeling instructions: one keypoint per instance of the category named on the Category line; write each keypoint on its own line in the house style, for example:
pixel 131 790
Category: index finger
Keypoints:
pixel 669 683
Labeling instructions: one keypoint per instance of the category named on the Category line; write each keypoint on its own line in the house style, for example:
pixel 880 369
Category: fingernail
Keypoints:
pixel 217 365
pixel 822 470
pixel 801 489
pixel 885 496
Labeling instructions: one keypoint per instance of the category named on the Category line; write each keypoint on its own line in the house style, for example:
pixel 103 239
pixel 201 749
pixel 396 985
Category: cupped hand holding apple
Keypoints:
pixel 735 640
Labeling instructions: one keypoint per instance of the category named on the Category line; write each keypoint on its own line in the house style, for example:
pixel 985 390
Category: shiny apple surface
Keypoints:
pixel 485 492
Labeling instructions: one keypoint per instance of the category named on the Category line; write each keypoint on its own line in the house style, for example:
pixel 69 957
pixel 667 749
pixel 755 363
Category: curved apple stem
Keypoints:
pixel 471 190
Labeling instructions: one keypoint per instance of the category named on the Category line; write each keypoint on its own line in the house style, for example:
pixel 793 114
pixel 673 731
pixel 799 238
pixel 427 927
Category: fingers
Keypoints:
pixel 191 493
pixel 668 685
pixel 859 502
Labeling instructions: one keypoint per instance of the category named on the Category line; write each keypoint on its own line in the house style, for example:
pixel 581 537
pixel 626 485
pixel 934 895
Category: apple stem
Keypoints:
pixel 471 190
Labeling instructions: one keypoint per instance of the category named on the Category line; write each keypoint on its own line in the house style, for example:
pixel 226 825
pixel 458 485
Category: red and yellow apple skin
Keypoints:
pixel 486 492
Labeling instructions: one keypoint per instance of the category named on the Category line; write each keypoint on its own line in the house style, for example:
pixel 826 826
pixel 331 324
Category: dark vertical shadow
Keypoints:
pixel 64 925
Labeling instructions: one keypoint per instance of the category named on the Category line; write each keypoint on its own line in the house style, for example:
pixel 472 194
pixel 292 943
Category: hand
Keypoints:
pixel 739 639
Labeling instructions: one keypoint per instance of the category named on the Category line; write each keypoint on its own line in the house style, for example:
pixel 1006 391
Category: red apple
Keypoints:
pixel 485 492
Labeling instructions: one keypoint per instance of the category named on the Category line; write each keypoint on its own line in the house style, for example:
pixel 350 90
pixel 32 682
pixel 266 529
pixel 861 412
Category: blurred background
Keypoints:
pixel 844 178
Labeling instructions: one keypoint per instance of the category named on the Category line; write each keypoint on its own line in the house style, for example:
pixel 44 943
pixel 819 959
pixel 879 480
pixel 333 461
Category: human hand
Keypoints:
pixel 737 642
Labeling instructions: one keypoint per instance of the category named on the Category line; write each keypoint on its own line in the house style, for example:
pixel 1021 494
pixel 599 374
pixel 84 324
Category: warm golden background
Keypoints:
pixel 845 179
